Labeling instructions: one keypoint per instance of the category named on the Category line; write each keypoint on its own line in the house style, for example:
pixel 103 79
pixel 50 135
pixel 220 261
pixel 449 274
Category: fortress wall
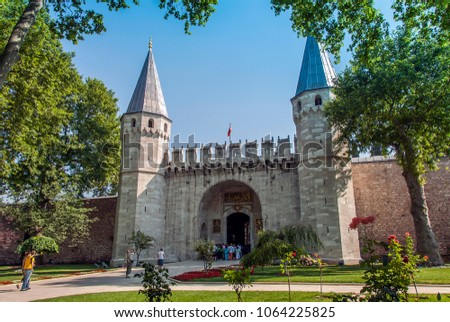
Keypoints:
pixel 380 191
pixel 379 187
pixel 9 240
pixel 96 248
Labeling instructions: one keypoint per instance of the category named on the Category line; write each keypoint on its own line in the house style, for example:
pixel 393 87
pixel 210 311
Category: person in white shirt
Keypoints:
pixel 161 258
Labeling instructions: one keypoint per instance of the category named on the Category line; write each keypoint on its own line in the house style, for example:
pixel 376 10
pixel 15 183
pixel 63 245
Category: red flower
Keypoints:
pixel 406 259
pixel 425 258
pixel 367 220
pixel 392 239
pixel 193 275
pixel 355 222
pixel 294 254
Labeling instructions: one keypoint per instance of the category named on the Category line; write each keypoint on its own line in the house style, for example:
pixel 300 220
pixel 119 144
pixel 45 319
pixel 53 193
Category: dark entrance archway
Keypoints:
pixel 238 229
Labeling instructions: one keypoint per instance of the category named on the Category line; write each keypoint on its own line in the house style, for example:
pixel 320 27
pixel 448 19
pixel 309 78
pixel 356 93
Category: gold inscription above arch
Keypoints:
pixel 237 197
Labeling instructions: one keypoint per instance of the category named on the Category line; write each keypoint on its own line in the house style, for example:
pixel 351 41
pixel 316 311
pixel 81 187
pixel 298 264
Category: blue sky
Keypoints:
pixel 242 68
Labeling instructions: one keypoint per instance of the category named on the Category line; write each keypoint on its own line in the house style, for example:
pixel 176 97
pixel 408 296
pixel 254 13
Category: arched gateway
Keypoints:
pixel 231 212
pixel 221 196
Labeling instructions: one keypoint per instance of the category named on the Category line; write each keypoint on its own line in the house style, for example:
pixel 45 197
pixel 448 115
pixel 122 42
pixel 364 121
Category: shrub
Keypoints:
pixel 205 251
pixel 390 283
pixel 156 283
pixel 238 279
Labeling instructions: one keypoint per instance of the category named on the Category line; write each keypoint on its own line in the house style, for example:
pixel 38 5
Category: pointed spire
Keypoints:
pixel 316 71
pixel 147 95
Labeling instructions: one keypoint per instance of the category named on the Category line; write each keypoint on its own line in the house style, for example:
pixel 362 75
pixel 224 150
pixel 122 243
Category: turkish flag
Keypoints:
pixel 229 131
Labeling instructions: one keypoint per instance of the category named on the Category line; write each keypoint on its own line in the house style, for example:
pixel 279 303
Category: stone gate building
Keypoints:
pixel 227 193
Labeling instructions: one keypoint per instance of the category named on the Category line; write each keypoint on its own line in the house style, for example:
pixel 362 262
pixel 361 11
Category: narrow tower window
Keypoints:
pixel 318 100
pixel 299 106
pixel 165 127
pixel 133 122
pixel 150 123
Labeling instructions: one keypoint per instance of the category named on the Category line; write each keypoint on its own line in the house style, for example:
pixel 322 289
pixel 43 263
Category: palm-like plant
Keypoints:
pixel 274 245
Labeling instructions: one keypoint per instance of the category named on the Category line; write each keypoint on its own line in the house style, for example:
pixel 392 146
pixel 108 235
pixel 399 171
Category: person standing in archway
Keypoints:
pixel 238 252
pixel 226 250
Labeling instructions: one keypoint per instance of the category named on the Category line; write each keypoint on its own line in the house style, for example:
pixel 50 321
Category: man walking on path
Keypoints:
pixel 28 263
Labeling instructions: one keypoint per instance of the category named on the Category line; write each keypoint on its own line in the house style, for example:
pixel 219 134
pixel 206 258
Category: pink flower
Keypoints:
pixel 407 234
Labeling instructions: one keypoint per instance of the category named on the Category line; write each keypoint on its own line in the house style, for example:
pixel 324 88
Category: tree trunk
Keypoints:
pixel 11 51
pixel 425 238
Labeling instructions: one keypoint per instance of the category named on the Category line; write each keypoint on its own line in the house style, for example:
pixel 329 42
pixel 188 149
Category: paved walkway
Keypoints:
pixel 113 281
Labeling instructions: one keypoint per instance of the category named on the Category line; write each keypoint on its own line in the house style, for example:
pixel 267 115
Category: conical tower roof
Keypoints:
pixel 316 71
pixel 147 95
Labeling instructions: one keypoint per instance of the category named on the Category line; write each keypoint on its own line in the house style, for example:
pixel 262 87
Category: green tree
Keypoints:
pixel 400 101
pixel 55 129
pixel 74 18
pixel 329 21
pixel 40 244
pixel 141 241
pixel 238 279
pixel 273 245
pixel 205 249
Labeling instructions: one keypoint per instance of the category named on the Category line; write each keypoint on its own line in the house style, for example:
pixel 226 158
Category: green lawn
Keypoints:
pixel 13 273
pixel 218 296
pixel 338 274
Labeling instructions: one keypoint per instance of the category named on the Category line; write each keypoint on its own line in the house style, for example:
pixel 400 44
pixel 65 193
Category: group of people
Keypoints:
pixel 227 252
pixel 129 260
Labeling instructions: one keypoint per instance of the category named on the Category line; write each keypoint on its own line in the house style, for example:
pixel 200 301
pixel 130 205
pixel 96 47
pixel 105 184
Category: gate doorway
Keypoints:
pixel 238 229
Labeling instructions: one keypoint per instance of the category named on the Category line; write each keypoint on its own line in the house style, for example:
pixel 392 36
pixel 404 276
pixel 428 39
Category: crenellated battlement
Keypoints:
pixel 235 156
pixel 147 132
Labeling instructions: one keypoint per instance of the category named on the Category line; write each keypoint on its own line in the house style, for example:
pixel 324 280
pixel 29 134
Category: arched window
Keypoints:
pixel 165 127
pixel 150 123
pixel 318 100
pixel 133 122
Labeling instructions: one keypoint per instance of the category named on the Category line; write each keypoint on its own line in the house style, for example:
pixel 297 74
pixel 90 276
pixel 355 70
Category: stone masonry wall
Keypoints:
pixel 380 191
pixel 96 248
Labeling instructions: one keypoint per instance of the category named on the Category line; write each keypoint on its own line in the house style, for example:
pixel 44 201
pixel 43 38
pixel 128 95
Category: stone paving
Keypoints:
pixel 114 280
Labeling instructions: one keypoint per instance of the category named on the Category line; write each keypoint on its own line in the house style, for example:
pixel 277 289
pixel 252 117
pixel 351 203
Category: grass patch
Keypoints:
pixel 220 296
pixel 336 274
pixel 11 274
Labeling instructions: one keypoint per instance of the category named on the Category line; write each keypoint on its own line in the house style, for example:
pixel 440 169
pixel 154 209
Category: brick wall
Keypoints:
pixel 380 191
pixel 96 248
pixel 9 239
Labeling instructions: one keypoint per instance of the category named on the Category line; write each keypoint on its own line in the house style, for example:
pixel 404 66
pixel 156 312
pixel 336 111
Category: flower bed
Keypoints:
pixel 188 276
pixel 6 283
